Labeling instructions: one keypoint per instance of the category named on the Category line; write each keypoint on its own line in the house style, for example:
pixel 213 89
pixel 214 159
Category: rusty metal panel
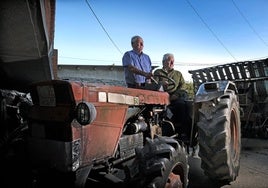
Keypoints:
pixel 101 138
pixel 99 141
pixel 91 92
pixel 142 96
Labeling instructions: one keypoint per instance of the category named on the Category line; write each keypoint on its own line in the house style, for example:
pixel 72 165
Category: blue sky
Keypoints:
pixel 200 33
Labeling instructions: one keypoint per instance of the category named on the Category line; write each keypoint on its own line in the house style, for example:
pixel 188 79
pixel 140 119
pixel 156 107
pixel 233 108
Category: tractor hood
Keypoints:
pixel 26 42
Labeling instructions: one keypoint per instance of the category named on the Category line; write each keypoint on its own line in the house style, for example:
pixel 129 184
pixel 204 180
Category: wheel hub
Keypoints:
pixel 174 181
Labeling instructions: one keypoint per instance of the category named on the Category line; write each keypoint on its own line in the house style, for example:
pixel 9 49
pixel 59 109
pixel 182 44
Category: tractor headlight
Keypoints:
pixel 85 113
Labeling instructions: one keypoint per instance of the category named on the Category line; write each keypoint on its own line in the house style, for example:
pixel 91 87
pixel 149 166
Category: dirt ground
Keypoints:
pixel 253 167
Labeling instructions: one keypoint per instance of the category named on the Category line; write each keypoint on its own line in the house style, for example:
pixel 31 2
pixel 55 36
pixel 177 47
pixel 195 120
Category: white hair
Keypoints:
pixel 135 38
pixel 166 56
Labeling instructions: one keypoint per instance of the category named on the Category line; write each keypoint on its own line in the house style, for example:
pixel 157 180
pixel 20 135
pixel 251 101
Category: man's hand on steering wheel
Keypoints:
pixel 169 84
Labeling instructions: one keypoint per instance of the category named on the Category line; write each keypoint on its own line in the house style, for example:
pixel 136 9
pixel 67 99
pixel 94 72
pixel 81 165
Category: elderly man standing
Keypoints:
pixel 137 65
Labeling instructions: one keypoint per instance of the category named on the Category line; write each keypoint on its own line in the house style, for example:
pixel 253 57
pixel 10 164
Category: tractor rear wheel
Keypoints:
pixel 220 139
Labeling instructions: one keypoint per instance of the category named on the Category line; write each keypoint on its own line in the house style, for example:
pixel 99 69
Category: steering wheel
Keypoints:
pixel 170 82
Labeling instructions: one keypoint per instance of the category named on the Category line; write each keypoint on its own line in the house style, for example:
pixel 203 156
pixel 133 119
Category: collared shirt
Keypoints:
pixel 173 74
pixel 140 61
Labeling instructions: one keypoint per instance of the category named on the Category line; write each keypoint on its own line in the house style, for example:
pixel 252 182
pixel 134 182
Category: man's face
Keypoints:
pixel 169 63
pixel 138 45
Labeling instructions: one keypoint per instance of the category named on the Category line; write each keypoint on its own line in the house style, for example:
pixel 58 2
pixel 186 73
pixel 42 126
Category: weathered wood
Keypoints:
pixel 209 77
pixel 260 66
pixel 251 70
pixel 242 70
pixel 214 73
pixel 201 74
pixel 228 72
pixel 221 73
pixel 235 72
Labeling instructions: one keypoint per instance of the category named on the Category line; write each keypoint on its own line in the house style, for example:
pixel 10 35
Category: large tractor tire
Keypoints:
pixel 163 163
pixel 220 139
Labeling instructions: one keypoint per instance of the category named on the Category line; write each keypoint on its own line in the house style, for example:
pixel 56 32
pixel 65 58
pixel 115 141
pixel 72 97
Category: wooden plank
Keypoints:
pixel 221 73
pixel 196 77
pixel 201 74
pixel 251 70
pixel 235 72
pixel 208 75
pixel 260 68
pixel 214 73
pixel 242 70
pixel 228 72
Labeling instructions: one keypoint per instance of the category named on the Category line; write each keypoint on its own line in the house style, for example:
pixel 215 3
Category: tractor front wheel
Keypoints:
pixel 163 164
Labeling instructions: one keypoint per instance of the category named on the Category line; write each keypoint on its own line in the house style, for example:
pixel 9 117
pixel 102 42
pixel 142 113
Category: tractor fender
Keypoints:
pixel 213 90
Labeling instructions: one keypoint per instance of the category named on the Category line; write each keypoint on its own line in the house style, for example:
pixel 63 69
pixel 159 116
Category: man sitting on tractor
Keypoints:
pixel 173 82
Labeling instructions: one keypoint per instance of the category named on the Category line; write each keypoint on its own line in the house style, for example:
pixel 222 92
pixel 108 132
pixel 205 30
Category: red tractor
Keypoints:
pixel 104 134
pixel 126 137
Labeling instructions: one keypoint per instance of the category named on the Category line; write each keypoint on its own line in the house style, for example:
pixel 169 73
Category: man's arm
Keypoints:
pixel 140 72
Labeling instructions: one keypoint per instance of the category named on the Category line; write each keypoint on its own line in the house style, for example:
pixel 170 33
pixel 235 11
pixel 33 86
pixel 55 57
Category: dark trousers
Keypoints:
pixel 181 116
